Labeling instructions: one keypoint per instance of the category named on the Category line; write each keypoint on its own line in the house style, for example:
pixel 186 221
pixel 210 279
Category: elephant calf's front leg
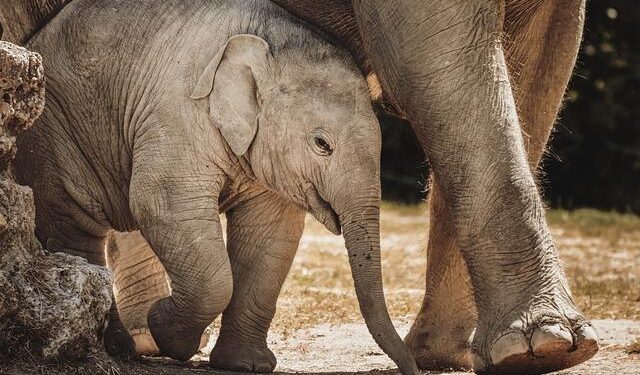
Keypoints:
pixel 263 236
pixel 178 216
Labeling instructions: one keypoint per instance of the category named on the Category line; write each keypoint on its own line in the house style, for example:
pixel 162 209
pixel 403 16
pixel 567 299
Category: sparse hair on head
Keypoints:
pixel 287 34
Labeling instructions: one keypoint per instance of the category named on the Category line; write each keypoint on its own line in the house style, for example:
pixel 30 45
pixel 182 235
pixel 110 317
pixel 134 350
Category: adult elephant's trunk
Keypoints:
pixel 361 229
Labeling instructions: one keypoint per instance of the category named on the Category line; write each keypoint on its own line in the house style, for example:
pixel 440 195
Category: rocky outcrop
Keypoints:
pixel 52 305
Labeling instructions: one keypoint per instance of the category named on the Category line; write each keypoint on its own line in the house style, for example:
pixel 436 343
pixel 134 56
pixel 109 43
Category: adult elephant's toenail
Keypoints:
pixel 586 338
pixel 550 339
pixel 509 345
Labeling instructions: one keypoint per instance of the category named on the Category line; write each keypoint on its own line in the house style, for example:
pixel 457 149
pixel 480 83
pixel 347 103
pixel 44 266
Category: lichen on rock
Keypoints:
pixel 51 305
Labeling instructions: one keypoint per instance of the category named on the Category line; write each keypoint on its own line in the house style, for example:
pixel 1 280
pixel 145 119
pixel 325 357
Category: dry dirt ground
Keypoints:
pixel 318 328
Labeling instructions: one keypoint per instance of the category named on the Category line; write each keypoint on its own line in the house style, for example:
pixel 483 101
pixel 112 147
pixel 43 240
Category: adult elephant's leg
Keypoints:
pixel 440 337
pixel 263 234
pixel 444 66
pixel 542 44
pixel 541 47
pixel 139 281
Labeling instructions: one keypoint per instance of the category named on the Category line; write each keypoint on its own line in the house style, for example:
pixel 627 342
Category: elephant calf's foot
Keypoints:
pixel 145 345
pixel 245 358
pixel 175 336
pixel 117 341
pixel 540 342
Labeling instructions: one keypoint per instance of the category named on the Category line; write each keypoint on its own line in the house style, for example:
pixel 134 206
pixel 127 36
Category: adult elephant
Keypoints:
pixel 481 82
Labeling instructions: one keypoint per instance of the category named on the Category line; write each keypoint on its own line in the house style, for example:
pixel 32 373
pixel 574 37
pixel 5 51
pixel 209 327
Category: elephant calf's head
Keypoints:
pixel 300 114
pixel 302 117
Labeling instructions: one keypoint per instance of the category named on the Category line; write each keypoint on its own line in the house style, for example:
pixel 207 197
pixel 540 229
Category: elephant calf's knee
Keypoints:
pixel 211 295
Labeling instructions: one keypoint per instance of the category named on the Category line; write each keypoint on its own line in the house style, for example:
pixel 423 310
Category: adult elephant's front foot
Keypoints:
pixel 440 338
pixel 440 347
pixel 552 335
pixel 243 358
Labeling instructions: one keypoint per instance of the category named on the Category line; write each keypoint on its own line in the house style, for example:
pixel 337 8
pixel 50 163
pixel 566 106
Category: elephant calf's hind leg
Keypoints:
pixel 139 281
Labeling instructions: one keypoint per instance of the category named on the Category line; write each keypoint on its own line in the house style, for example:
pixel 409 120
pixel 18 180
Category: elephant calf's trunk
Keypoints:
pixel 362 238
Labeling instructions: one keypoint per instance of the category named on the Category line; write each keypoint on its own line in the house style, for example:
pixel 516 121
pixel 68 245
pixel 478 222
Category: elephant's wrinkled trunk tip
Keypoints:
pixel 362 238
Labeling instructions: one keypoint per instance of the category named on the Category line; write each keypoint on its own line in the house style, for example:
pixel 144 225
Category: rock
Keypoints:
pixel 21 96
pixel 58 302
pixel 18 245
pixel 51 305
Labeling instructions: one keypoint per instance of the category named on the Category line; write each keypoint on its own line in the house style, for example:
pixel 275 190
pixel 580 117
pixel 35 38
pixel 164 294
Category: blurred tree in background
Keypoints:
pixel 597 140
pixel 594 156
pixel 404 169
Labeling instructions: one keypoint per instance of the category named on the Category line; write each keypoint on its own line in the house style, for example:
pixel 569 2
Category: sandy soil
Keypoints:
pixel 347 347
pixel 318 328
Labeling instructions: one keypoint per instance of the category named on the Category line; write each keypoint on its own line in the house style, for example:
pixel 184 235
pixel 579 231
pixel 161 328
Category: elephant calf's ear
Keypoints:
pixel 229 82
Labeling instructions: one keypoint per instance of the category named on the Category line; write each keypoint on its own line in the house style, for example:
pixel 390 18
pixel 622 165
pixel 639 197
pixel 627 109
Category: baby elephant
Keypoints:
pixel 163 114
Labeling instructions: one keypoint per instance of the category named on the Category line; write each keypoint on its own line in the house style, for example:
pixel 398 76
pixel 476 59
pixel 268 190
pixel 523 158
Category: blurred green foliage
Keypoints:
pixel 594 155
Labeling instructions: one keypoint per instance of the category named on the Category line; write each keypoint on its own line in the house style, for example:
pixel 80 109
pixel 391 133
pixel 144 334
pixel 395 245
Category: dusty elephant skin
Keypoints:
pixel 456 72
pixel 447 75
pixel 51 305
pixel 235 107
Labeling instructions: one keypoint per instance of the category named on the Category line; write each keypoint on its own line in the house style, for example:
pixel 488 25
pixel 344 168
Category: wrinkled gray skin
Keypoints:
pixel 481 81
pixel 165 116
pixel 456 71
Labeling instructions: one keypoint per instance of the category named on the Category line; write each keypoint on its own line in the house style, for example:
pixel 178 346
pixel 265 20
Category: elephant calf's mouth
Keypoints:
pixel 322 211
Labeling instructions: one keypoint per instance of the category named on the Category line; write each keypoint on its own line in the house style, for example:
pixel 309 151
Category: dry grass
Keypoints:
pixel 319 288
pixel 633 348
pixel 601 253
pixel 600 250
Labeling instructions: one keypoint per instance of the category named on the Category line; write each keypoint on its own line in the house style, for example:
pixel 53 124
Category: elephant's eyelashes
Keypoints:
pixel 322 144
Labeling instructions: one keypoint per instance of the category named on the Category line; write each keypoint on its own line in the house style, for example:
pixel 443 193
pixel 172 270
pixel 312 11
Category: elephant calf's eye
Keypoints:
pixel 323 145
